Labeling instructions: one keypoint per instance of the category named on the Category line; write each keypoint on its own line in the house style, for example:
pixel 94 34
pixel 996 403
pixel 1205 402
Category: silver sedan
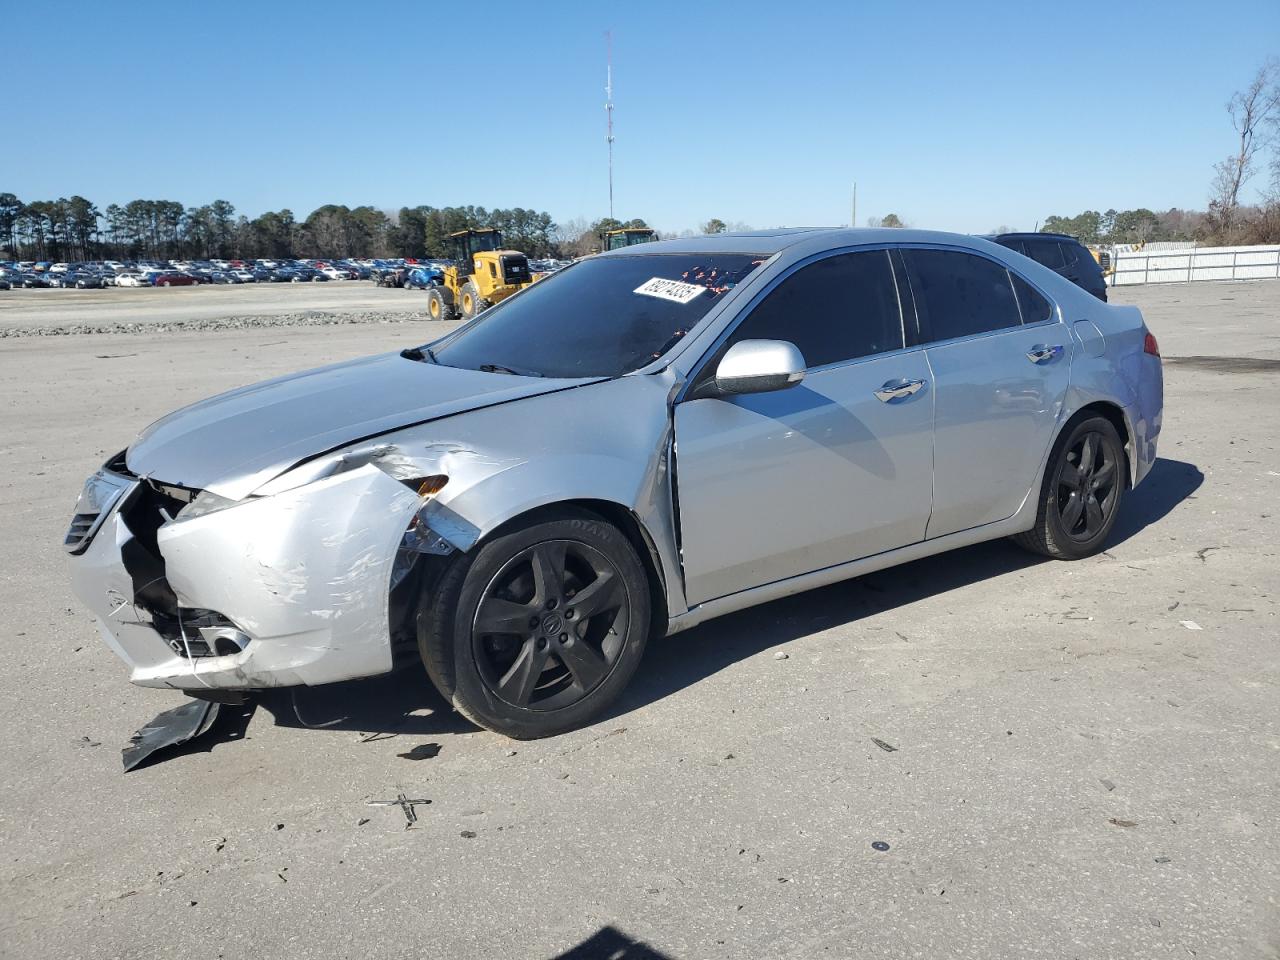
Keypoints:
pixel 642 441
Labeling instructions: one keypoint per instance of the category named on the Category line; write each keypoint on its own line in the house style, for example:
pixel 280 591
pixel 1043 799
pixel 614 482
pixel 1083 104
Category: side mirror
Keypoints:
pixel 759 366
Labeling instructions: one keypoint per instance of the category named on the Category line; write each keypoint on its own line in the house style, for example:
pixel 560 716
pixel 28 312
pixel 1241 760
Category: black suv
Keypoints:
pixel 1060 253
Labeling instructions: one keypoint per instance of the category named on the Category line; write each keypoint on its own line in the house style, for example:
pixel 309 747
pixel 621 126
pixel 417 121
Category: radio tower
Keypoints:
pixel 608 110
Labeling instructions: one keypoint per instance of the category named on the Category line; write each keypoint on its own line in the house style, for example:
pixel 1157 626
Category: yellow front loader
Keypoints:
pixel 481 275
pixel 626 237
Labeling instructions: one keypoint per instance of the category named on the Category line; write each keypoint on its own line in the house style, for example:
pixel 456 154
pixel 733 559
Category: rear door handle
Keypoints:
pixel 897 389
pixel 1042 353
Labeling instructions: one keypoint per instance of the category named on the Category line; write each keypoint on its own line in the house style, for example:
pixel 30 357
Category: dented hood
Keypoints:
pixel 233 443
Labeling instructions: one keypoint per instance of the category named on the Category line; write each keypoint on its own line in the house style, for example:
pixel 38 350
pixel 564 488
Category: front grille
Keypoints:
pixel 101 492
pixel 78 533
pixel 515 269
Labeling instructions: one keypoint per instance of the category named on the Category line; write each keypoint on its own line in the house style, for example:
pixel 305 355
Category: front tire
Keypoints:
pixel 438 308
pixel 1080 497
pixel 539 629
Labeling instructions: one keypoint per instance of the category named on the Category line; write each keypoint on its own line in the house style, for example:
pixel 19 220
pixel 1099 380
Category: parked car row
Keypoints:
pixel 406 273
pixel 175 273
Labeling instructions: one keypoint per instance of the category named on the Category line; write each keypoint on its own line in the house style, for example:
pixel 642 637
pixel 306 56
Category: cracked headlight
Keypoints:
pixel 205 503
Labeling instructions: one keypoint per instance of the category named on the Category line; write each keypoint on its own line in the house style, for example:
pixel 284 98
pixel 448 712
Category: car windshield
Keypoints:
pixel 602 317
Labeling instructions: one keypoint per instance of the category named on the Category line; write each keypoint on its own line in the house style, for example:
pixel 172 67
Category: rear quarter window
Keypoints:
pixel 1047 252
pixel 1080 253
pixel 1034 307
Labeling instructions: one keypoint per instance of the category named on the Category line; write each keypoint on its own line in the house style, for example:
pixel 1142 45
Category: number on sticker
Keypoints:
pixel 669 290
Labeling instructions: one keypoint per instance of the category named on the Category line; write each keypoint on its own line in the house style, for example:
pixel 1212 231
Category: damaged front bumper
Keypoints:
pixel 278 590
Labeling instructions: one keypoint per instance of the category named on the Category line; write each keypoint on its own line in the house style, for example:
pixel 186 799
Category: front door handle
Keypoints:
pixel 1042 353
pixel 897 389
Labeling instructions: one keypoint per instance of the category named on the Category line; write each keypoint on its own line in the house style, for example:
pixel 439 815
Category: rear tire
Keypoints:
pixel 1081 494
pixel 544 666
pixel 470 300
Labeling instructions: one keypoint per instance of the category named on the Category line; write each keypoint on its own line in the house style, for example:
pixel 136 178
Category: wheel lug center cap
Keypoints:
pixel 552 623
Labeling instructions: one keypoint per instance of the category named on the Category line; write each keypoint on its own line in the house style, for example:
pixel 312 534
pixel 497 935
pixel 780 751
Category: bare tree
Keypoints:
pixel 1254 112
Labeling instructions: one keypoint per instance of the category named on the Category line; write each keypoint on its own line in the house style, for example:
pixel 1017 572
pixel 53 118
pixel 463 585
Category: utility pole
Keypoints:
pixel 608 110
pixel 853 221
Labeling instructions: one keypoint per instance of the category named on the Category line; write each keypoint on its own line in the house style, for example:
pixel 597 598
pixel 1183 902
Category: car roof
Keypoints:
pixel 1021 234
pixel 769 242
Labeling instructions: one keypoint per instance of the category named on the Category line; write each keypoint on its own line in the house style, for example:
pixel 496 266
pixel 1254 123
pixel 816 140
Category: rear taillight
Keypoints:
pixel 1150 346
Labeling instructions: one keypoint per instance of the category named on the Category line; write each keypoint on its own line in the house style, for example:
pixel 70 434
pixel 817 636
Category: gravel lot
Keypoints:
pixel 53 312
pixel 1087 756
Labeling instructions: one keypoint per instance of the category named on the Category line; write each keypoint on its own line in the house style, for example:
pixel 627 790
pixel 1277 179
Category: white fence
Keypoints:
pixel 1201 263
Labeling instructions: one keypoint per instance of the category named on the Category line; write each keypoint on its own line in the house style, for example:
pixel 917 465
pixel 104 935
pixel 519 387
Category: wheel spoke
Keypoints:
pixel 548 571
pixel 497 615
pixel 1105 472
pixel 1087 454
pixel 587 666
pixel 1071 512
pixel 518 684
pixel 599 595
pixel 1092 514
pixel 1070 475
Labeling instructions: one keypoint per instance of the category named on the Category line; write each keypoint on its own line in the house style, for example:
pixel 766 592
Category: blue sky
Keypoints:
pixel 957 116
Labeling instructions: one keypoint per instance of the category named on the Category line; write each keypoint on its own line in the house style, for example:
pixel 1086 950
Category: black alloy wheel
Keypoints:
pixel 549 627
pixel 1084 483
pixel 1088 486
pixel 539 628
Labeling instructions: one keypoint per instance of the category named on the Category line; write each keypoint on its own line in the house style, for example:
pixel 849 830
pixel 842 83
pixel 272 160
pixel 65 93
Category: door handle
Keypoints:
pixel 897 389
pixel 1041 353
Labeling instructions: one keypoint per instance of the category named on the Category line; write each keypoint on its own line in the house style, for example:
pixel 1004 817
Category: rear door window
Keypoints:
pixel 960 294
pixel 836 309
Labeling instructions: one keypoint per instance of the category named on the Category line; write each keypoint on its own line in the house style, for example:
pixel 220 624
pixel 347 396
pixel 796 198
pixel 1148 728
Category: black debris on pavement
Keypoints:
pixel 886 747
pixel 169 729
pixel 423 751
pixel 879 845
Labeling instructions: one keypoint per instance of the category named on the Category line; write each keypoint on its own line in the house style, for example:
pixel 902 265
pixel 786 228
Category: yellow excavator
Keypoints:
pixel 481 275
pixel 627 237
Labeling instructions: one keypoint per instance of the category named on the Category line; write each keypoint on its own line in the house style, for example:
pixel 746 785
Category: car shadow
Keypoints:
pixel 611 943
pixel 678 661
pixel 1168 483
pixel 404 703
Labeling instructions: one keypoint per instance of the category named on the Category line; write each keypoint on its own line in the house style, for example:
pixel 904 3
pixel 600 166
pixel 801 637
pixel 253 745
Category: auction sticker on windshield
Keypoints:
pixel 669 290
